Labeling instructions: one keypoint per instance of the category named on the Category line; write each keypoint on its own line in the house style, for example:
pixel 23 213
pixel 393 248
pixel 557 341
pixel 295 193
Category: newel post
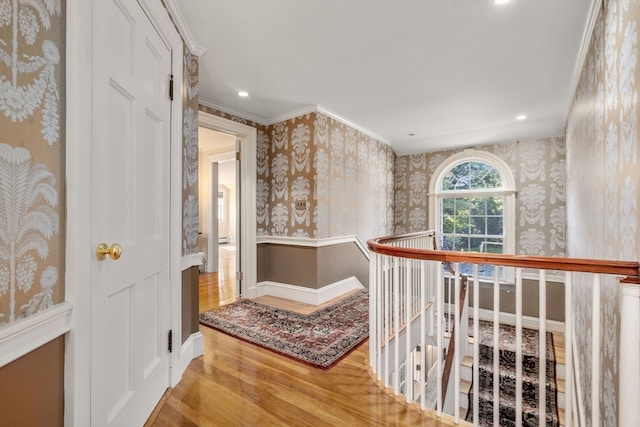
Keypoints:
pixel 628 408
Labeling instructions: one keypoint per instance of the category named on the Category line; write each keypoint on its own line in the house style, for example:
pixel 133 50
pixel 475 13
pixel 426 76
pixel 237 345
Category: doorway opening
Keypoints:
pixel 218 217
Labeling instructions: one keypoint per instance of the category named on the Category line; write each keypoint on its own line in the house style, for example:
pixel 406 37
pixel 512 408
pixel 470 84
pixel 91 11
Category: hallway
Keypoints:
pixel 239 384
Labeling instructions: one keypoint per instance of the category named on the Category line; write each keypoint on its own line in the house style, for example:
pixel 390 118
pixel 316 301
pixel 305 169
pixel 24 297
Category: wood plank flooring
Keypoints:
pixel 239 384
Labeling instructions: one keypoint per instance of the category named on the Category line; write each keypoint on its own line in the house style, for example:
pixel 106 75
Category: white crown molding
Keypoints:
pixel 237 113
pixel 594 12
pixel 178 18
pixel 323 110
pixel 293 114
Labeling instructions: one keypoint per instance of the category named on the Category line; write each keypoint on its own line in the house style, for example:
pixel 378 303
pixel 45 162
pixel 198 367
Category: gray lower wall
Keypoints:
pixel 530 299
pixel 190 302
pixel 311 267
pixel 32 388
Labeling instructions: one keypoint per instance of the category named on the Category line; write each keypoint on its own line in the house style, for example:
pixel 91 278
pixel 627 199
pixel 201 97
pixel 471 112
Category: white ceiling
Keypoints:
pixel 452 72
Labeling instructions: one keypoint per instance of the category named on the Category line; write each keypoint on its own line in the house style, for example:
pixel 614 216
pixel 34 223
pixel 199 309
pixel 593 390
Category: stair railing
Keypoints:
pixel 406 302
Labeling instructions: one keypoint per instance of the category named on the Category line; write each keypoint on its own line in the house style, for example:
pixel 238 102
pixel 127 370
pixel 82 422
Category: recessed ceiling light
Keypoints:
pixel 243 94
pixel 501 1
pixel 521 117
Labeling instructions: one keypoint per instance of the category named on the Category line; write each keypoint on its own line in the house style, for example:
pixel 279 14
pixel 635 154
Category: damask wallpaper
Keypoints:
pixel 343 177
pixel 603 176
pixel 32 157
pixel 190 205
pixel 538 167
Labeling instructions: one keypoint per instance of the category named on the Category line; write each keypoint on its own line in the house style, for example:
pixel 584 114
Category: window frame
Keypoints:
pixel 508 191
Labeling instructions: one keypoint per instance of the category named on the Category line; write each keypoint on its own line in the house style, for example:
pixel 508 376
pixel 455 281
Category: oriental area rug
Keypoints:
pixel 318 339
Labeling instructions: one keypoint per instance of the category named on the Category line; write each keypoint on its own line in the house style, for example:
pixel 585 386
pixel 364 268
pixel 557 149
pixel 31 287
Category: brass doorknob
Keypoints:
pixel 114 251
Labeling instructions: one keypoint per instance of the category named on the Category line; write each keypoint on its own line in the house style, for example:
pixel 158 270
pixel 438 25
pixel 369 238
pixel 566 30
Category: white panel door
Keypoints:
pixel 129 206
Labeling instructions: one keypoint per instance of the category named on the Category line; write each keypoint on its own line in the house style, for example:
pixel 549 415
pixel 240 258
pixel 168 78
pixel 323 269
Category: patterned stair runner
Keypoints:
pixel 507 378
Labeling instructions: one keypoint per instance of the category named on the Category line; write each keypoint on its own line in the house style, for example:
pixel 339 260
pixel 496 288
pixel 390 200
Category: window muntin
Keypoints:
pixel 471 209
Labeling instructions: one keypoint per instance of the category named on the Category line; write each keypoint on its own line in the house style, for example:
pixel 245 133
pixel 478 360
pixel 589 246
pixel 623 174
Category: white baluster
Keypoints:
pixel 476 345
pixel 456 347
pixel 595 352
pixel 373 286
pixel 409 364
pixel 568 347
pixel 518 346
pixel 423 332
pixel 396 327
pixel 439 335
pixel 542 356
pixel 496 347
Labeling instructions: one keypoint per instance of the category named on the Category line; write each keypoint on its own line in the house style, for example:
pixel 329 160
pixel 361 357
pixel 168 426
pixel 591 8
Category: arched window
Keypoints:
pixel 472 198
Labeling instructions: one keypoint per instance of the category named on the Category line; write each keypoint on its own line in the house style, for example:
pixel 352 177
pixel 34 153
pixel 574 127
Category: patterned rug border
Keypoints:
pixel 331 344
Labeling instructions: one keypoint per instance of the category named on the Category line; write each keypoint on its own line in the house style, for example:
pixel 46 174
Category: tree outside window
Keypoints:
pixel 471 199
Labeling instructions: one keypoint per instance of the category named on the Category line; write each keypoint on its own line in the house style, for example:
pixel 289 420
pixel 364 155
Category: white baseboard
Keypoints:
pixel 193 347
pixel 528 322
pixel 308 295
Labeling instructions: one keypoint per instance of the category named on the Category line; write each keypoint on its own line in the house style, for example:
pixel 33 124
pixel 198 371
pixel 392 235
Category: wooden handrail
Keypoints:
pixel 631 269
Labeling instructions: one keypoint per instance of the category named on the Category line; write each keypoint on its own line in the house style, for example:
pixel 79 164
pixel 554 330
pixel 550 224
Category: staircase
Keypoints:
pixel 555 378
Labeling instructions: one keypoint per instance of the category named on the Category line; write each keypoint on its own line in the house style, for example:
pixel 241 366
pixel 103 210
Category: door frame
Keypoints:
pixel 247 241
pixel 79 247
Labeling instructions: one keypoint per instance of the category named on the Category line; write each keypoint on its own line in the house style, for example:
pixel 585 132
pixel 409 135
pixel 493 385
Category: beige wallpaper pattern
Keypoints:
pixel 190 205
pixel 603 176
pixel 343 177
pixel 538 167
pixel 32 153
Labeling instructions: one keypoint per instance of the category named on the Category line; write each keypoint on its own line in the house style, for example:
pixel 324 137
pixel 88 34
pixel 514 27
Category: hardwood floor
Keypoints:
pixel 239 384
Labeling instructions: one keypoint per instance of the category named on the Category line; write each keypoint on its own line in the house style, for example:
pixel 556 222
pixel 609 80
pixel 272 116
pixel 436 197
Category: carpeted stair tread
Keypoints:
pixel 507 377
pixel 508 381
pixel 530 412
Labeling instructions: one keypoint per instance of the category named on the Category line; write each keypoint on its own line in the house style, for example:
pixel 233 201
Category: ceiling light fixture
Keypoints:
pixel 521 117
pixel 243 94
pixel 501 1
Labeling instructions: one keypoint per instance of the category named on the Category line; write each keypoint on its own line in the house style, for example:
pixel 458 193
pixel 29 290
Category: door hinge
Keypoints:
pixel 238 156
pixel 170 344
pixel 239 275
pixel 171 87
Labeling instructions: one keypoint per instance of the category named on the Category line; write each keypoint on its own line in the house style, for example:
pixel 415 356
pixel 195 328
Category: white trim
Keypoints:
pixel 188 261
pixel 183 28
pixel 528 322
pixel 193 347
pixel 592 17
pixel 246 116
pixel 349 123
pixel 293 114
pixel 27 334
pixel 79 130
pixel 508 190
pixel 308 295
pixel 629 354
pixel 314 243
pixel 162 22
pixel 248 143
